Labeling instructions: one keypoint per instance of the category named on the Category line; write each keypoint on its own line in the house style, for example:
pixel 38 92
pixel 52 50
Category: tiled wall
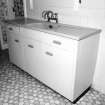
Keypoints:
pixel 18 8
pixel 9 9
pixel 89 13
pixel 66 10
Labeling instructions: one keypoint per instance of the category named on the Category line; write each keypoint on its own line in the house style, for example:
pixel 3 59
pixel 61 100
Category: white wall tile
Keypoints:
pixel 93 4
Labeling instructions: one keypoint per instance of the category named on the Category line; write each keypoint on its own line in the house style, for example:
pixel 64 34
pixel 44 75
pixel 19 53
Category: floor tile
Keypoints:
pixel 19 88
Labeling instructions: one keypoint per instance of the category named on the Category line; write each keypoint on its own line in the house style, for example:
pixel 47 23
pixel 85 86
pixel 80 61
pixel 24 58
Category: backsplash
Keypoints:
pixel 18 8
pixel 88 13
pixel 17 5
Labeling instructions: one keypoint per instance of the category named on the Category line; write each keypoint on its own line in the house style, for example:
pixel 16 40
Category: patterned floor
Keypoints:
pixel 19 88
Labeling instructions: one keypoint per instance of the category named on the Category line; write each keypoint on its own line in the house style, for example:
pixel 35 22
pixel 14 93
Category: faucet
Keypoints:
pixel 49 15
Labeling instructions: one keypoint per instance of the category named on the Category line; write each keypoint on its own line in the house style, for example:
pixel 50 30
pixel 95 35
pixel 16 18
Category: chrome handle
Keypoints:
pixel 43 14
pixel 31 46
pixel 49 53
pixel 57 42
pixel 17 41
pixel 10 28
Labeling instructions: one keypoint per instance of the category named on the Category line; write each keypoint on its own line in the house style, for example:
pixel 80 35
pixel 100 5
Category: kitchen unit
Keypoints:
pixel 63 59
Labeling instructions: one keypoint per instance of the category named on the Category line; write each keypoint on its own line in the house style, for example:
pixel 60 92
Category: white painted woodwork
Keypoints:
pixel 52 66
pixel 69 72
pixel 50 39
pixel 15 44
pixel 91 13
pixel 86 62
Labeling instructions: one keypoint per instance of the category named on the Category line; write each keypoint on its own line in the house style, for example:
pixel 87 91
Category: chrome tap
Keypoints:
pixel 49 15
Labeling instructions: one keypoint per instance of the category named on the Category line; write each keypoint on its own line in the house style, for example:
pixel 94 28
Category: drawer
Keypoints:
pixel 13 28
pixel 53 40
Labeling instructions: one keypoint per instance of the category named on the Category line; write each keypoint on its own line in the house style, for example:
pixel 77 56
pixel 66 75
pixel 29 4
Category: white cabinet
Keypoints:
pixel 63 64
pixel 15 44
pixel 53 66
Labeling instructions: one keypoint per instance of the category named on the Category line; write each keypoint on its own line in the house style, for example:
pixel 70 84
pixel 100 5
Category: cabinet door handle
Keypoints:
pixel 10 28
pixel 17 41
pixel 49 53
pixel 31 46
pixel 57 42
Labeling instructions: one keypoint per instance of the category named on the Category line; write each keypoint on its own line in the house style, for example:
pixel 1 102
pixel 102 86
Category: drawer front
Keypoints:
pixel 53 40
pixel 13 28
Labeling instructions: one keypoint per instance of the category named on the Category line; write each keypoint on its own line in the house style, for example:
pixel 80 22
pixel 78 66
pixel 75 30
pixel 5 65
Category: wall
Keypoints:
pixel 90 14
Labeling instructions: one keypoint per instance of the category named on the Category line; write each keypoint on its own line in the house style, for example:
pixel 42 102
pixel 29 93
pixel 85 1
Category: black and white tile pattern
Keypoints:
pixel 19 88
pixel 18 8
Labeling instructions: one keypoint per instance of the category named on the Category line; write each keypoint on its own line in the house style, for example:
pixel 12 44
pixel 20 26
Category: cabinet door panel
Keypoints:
pixel 19 59
pixel 32 54
pixel 10 43
pixel 57 69
pixel 52 66
pixel 15 43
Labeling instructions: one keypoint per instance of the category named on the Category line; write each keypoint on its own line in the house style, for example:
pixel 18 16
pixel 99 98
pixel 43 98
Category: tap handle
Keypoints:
pixel 50 14
pixel 44 14
pixel 56 15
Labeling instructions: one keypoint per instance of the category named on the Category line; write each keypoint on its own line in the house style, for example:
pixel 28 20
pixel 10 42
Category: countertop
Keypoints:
pixel 69 31
pixel 21 21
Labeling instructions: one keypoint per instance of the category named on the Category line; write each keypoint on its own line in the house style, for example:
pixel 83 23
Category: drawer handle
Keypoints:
pixel 10 28
pixel 57 42
pixel 17 41
pixel 31 46
pixel 49 53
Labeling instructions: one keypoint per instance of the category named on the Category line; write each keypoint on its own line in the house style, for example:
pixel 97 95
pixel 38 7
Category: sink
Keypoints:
pixel 44 25
pixel 54 27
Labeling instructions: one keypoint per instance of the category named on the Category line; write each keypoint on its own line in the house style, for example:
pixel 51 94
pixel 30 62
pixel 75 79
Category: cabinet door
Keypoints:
pixel 31 50
pixel 52 66
pixel 16 52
